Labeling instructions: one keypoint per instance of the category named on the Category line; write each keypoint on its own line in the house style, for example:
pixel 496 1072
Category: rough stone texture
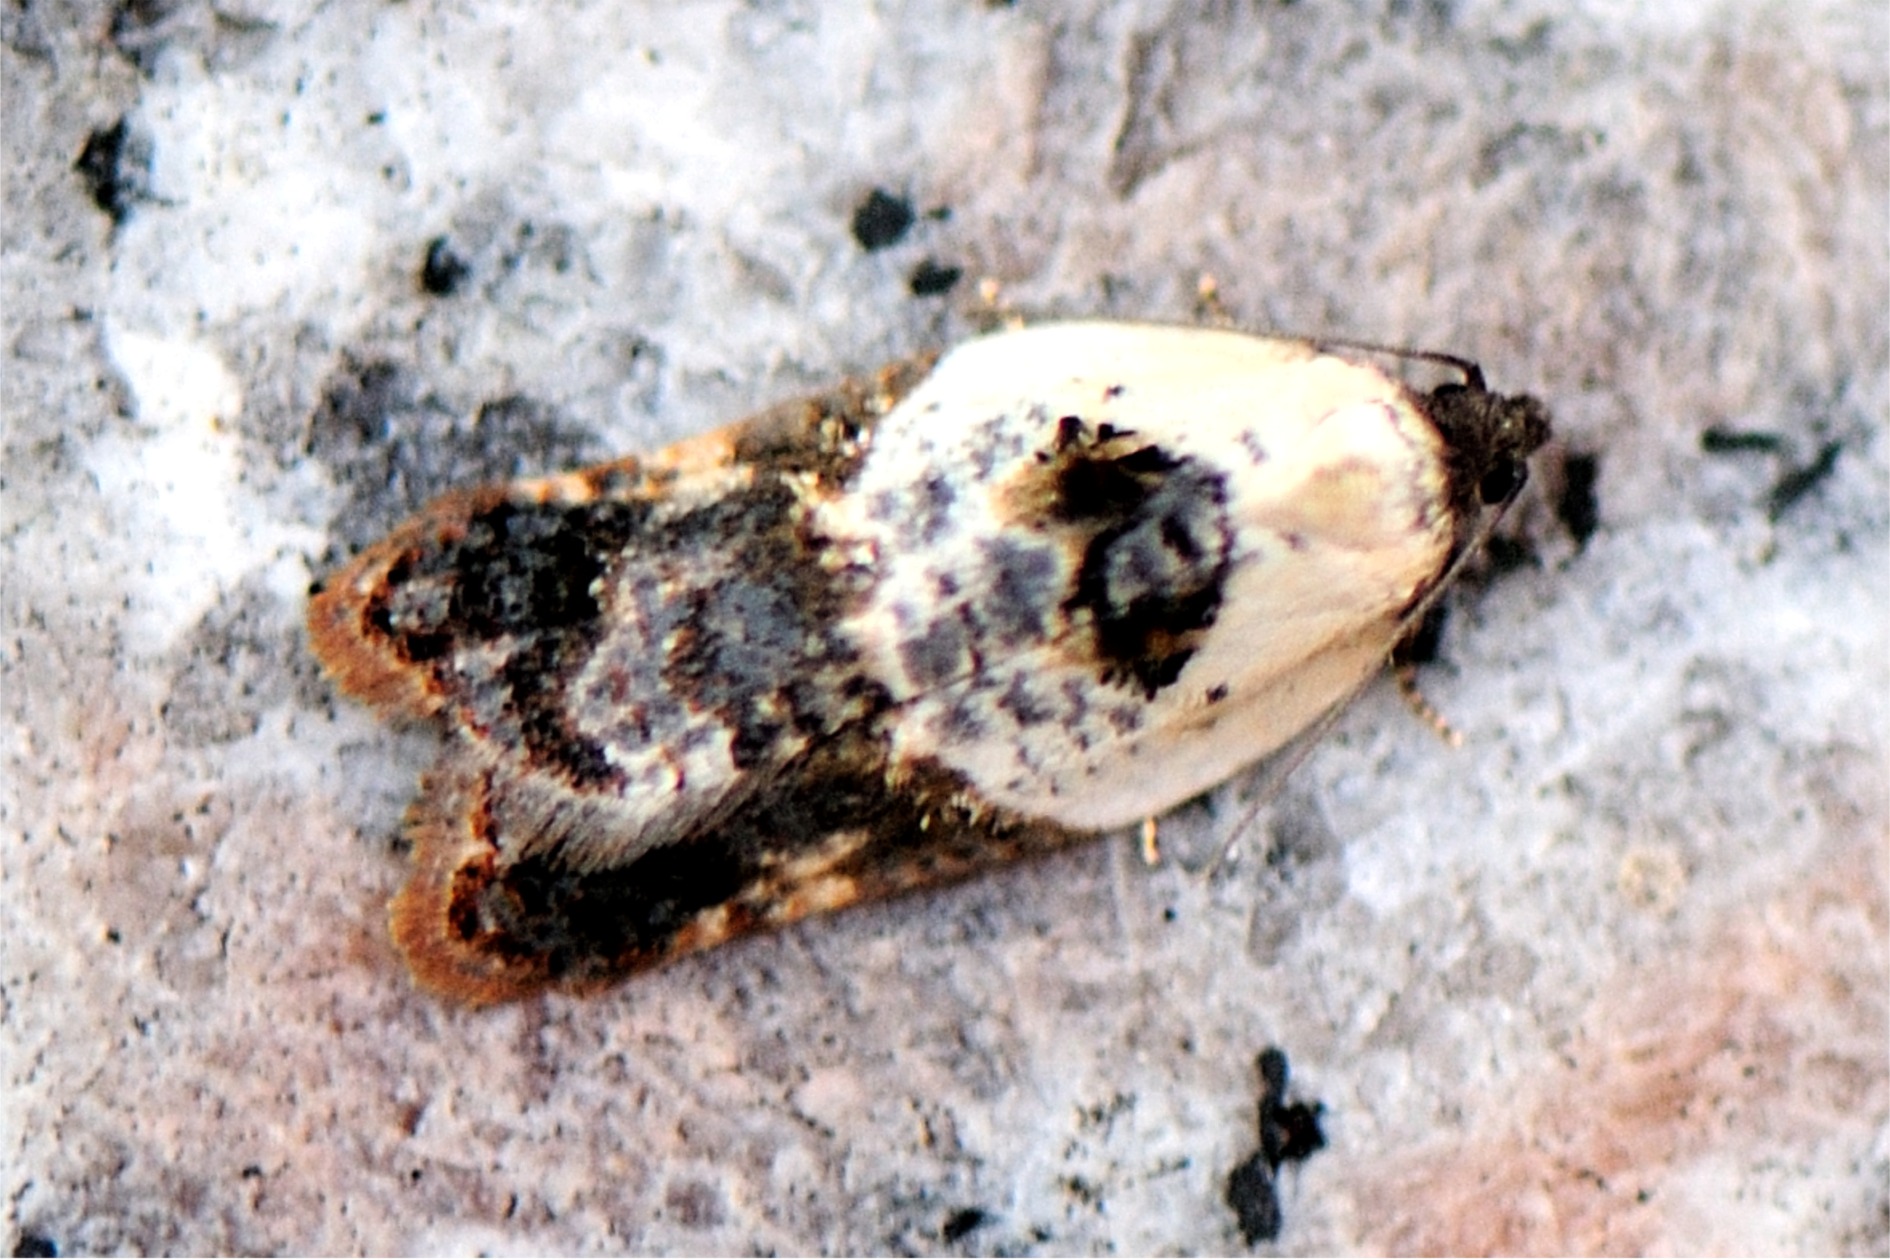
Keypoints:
pixel 1610 978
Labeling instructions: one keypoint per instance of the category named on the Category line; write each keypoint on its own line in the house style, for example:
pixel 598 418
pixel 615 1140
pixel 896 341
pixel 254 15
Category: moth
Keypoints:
pixel 1050 584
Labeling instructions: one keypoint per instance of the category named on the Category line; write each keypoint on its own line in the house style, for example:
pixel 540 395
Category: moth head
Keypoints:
pixel 1490 437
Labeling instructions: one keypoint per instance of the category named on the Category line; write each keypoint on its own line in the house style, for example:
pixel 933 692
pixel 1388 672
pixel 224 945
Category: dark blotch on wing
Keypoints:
pixel 529 569
pixel 762 648
pixel 938 654
pixel 590 926
pixel 521 573
pixel 1023 594
pixel 1152 575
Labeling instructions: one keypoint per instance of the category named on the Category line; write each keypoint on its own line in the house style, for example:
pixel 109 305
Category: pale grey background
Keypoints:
pixel 1612 977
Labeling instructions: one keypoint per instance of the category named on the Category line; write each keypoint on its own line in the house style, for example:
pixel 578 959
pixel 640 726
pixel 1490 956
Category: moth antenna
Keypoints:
pixel 1274 771
pixel 1472 371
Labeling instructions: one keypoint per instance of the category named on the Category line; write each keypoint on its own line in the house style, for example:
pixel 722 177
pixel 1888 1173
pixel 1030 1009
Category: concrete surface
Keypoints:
pixel 1612 977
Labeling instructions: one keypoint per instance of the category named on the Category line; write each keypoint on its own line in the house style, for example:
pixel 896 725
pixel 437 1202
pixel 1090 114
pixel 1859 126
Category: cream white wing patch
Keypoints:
pixel 1165 551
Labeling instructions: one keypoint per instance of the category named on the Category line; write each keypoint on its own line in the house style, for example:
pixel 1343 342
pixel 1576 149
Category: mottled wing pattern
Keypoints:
pixel 657 743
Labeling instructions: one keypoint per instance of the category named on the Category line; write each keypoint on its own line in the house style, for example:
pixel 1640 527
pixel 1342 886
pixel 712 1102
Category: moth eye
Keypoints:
pixel 1502 481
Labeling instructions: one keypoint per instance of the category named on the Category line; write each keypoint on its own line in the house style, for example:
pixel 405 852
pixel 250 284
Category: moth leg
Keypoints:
pixel 1209 308
pixel 1151 843
pixel 1405 672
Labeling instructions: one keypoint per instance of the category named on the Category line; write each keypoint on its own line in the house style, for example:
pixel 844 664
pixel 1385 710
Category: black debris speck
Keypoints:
pixel 963 1222
pixel 932 278
pixel 1255 1202
pixel 444 272
pixel 1799 482
pixel 1289 1133
pixel 1717 440
pixel 116 167
pixel 881 220
pixel 1577 506
pixel 35 1246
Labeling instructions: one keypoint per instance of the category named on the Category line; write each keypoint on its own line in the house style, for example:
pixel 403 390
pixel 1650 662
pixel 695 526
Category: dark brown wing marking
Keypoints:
pixel 487 916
